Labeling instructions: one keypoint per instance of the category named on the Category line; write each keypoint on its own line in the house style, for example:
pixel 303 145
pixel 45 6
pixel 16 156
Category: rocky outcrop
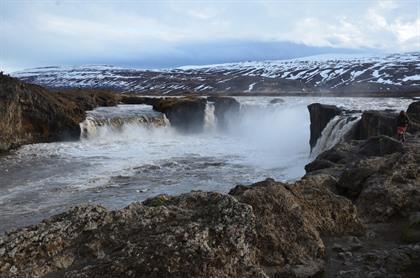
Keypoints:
pixel 374 123
pixel 185 114
pixel 225 108
pixel 31 114
pixel 380 174
pixel 320 115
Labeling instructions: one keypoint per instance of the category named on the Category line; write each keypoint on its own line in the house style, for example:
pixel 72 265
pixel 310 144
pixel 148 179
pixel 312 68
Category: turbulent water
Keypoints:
pixel 129 153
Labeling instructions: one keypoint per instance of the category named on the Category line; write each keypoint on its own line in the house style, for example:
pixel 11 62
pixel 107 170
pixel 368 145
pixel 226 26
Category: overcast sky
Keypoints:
pixel 172 33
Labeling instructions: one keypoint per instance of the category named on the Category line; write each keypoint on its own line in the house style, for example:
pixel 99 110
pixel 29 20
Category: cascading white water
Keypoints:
pixel 334 132
pixel 107 122
pixel 88 128
pixel 209 117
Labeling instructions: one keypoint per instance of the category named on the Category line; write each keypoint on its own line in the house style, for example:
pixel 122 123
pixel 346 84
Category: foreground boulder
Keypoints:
pixel 320 115
pixel 266 229
pixel 189 235
pixel 185 114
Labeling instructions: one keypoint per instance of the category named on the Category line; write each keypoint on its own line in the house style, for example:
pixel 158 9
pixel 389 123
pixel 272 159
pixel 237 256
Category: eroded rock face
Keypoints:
pixel 185 236
pixel 32 114
pixel 320 115
pixel 185 114
pixel 225 108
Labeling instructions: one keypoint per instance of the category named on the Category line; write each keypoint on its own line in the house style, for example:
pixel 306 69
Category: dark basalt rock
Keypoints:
pixel 380 174
pixel 266 229
pixel 318 164
pixel 290 220
pixel 413 112
pixel 185 114
pixel 320 115
pixel 374 123
pixel 225 108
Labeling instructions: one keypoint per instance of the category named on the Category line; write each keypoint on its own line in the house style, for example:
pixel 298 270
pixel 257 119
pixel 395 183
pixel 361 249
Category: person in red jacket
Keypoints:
pixel 402 124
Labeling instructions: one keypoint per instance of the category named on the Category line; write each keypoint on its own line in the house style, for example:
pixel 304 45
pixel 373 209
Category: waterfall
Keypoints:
pixel 334 132
pixel 102 122
pixel 209 117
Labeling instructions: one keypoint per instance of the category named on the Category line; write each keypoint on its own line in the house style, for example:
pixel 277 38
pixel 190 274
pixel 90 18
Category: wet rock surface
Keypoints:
pixel 320 115
pixel 185 114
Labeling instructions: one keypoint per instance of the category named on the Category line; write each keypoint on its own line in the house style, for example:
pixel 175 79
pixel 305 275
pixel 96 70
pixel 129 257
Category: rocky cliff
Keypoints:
pixel 382 178
pixel 31 114
pixel 320 115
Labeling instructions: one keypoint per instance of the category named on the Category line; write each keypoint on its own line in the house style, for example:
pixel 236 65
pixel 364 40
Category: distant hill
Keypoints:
pixel 397 73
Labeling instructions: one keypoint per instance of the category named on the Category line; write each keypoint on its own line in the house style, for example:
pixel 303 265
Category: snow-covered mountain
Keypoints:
pixel 325 73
